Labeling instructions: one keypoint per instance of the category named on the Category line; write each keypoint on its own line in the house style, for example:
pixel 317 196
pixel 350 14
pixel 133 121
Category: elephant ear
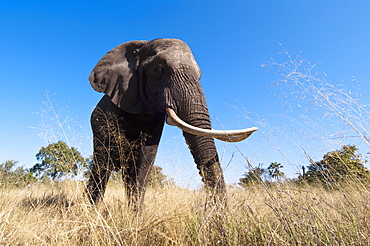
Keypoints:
pixel 116 75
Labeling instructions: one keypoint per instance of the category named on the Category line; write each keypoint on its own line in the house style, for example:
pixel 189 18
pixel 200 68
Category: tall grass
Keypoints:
pixel 275 215
pixel 318 97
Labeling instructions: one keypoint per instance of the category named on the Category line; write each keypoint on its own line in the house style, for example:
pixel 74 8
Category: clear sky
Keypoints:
pixel 48 49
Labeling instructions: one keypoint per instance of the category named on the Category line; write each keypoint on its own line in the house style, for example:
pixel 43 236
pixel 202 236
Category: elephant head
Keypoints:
pixel 162 77
pixel 161 73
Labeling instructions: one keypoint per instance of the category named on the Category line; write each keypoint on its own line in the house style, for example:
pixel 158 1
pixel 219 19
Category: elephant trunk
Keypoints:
pixel 191 107
pixel 205 154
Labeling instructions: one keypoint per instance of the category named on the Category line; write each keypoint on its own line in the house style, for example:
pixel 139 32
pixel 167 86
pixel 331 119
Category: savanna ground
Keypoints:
pixel 281 214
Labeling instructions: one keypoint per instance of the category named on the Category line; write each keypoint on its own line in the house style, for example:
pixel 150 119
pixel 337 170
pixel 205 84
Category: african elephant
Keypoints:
pixel 145 83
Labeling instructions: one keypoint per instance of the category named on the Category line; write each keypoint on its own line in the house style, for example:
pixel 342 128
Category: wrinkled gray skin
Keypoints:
pixel 140 80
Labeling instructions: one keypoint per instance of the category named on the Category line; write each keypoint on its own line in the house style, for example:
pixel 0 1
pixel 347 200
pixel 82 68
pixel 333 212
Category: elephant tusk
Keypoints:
pixel 227 135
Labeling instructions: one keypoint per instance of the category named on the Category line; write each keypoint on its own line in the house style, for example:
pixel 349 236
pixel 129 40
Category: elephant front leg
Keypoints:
pixel 100 170
pixel 99 176
pixel 136 176
pixel 137 173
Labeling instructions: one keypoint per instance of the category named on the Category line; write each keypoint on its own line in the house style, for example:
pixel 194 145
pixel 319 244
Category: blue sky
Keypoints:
pixel 48 49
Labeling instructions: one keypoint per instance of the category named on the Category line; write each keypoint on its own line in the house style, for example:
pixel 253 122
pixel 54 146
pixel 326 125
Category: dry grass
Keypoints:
pixel 278 215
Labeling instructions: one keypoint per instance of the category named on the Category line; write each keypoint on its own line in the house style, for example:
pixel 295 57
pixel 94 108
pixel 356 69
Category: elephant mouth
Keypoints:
pixel 223 135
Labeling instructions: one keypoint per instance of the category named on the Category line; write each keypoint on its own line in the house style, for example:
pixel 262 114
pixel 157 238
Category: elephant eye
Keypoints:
pixel 158 70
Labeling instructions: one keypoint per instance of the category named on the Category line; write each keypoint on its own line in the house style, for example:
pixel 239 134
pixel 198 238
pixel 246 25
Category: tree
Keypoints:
pixel 274 170
pixel 7 166
pixel 57 160
pixel 254 175
pixel 338 166
pixel 156 178
pixel 11 176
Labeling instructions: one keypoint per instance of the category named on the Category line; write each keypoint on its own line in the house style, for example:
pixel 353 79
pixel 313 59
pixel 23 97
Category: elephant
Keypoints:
pixel 148 83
